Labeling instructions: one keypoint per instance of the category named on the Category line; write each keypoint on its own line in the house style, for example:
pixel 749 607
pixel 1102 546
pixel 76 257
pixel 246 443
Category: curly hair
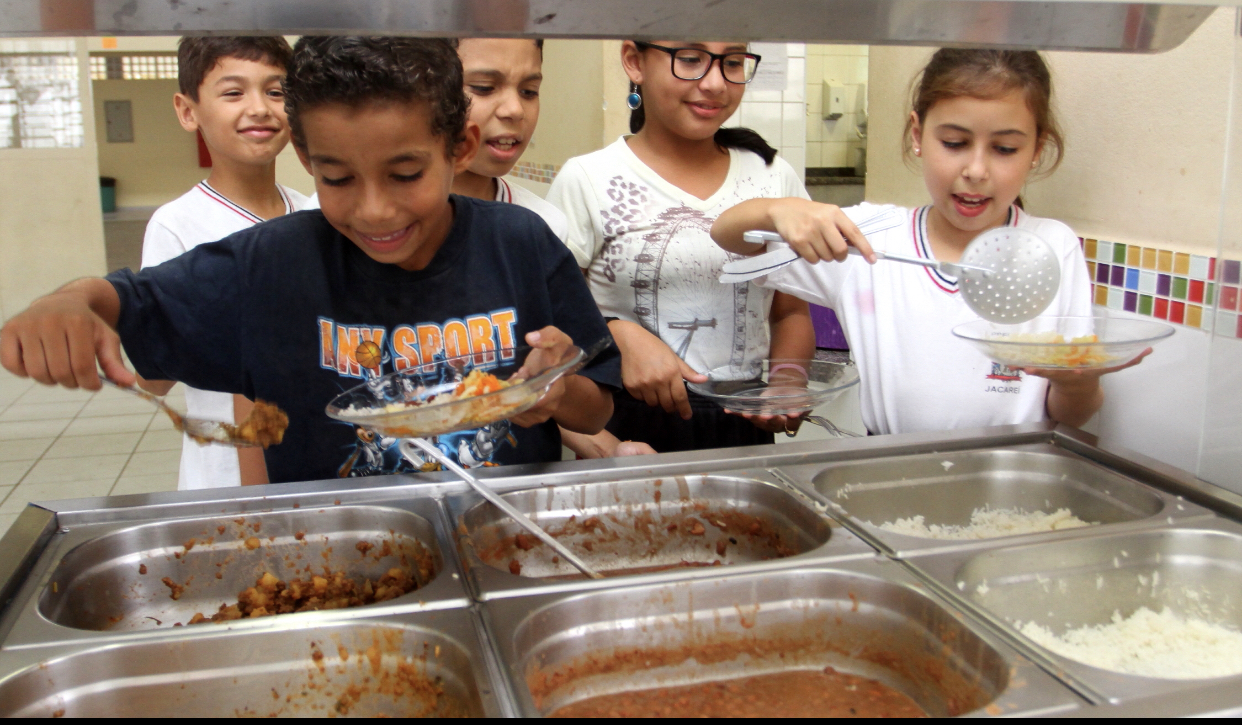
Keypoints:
pixel 354 71
pixel 197 56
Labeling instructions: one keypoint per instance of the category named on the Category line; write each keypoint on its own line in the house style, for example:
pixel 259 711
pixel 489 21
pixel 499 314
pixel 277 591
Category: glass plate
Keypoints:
pixel 420 401
pixel 1070 343
pixel 748 390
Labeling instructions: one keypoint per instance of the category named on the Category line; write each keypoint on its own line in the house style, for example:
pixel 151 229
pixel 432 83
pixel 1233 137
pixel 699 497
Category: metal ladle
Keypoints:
pixel 505 506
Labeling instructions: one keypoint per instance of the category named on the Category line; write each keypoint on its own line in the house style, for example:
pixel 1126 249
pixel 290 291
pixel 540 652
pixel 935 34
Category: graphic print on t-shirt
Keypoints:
pixel 1004 379
pixel 364 351
pixel 692 306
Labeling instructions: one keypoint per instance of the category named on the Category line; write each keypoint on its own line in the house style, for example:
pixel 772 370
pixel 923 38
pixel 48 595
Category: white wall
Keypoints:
pixel 835 144
pixel 51 226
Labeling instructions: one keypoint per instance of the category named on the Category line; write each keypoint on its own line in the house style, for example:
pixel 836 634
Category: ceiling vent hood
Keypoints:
pixel 1065 25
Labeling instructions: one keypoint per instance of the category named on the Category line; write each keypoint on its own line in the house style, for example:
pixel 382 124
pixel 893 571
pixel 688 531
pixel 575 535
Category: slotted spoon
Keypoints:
pixel 1006 275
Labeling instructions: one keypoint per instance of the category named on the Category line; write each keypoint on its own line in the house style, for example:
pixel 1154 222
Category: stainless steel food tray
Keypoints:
pixel 322 667
pixel 1192 568
pixel 655 529
pixel 946 487
pixel 867 617
pixel 89 585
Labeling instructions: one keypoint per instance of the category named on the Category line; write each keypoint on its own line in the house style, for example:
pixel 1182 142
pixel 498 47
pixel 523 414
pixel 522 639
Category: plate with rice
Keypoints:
pixel 1068 343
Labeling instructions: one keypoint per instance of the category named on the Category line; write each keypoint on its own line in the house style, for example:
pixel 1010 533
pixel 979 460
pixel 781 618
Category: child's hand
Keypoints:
pixel 551 347
pixel 57 340
pixel 1059 376
pixel 779 383
pixel 651 371
pixel 817 231
pixel 1075 395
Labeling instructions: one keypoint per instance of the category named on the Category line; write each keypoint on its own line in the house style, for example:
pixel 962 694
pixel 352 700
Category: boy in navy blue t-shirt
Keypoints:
pixel 276 312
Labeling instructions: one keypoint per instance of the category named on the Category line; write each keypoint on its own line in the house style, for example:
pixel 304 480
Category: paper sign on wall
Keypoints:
pixel 773 71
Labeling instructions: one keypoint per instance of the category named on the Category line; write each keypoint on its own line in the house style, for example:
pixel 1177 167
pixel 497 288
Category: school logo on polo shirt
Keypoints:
pixel 1004 374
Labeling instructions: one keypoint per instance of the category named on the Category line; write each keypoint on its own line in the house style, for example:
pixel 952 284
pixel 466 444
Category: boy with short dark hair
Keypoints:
pixel 231 94
pixel 278 311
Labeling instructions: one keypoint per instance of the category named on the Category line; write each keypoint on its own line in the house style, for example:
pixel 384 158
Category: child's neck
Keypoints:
pixel 468 183
pixel 696 167
pixel 947 241
pixel 250 186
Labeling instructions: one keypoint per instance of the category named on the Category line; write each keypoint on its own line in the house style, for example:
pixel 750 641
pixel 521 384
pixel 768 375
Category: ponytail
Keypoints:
pixel 726 138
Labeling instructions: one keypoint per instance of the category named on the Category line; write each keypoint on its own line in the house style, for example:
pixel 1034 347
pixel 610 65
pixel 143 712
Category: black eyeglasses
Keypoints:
pixel 692 64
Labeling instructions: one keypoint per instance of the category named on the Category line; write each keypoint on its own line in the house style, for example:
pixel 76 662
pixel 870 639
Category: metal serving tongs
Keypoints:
pixel 203 431
pixel 495 498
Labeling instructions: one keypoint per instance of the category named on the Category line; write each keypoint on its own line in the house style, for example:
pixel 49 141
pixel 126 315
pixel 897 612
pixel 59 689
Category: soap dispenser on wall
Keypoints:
pixel 833 101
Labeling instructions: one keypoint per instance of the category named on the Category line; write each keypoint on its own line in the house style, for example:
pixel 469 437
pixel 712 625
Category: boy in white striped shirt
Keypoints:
pixel 230 91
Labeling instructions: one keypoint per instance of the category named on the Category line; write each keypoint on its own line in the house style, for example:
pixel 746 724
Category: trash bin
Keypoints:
pixel 107 193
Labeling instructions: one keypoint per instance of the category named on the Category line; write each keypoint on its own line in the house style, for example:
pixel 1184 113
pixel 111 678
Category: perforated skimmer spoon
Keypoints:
pixel 1006 275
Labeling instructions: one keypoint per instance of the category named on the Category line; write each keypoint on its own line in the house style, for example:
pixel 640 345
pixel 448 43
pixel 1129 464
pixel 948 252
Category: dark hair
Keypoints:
pixel 357 70
pixel 726 138
pixel 456 42
pixel 197 56
pixel 953 72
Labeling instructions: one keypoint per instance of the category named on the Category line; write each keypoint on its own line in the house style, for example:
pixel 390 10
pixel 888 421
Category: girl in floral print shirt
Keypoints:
pixel 640 213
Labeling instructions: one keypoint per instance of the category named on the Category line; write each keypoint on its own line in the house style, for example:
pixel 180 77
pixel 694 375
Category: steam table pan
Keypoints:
pixel 427 664
pixel 1194 569
pixel 109 580
pixel 864 617
pixel 672 527
pixel 945 488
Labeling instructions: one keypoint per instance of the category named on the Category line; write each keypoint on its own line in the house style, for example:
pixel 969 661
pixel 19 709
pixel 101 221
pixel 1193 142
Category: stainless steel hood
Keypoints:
pixel 1106 26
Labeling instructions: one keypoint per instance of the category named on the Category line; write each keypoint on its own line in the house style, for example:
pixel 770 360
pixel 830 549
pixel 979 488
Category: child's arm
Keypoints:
pixel 1075 395
pixel 651 371
pixel 250 462
pixel 58 339
pixel 603 445
pixel 793 339
pixel 815 231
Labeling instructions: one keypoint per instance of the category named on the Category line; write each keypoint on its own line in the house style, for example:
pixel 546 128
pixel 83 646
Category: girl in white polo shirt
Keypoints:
pixel 981 123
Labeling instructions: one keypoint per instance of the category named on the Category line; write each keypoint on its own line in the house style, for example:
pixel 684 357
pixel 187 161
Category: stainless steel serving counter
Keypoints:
pixel 774 549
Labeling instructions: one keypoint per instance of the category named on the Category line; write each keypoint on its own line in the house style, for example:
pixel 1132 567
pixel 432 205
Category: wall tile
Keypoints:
pixel 814 153
pixel 1227 323
pixel 1119 253
pixel 1091 271
pixel 1163 283
pixel 793 124
pixel 1147 281
pixel 1149 258
pixel 796 50
pixel 1177 312
pixel 1181 263
pixel 1198 267
pixel 1116 298
pixel 1101 272
pixel 1088 248
pixel 1194 316
pixel 1132 278
pixel 796 156
pixel 1231 271
pixel 1162 308
pixel 1179 288
pixel 1195 291
pixel 835 154
pixel 1134 255
pixel 1104 251
pixel 1164 260
pixel 796 90
pixel 1117 276
pixel 1131 302
pixel 1145 304
pixel 1228 298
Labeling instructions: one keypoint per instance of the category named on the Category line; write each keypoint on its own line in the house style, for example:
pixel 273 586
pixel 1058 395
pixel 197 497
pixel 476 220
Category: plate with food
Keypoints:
pixel 777 387
pixel 1068 343
pixel 454 393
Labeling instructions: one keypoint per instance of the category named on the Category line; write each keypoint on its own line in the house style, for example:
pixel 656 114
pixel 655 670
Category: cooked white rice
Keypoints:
pixel 1164 645
pixel 988 523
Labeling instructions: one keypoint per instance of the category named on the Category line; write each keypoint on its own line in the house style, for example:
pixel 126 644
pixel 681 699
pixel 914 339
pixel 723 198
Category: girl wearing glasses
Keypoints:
pixel 640 213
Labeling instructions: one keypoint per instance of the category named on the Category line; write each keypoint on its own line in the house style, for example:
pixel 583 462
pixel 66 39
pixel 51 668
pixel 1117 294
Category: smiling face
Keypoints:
pixel 502 79
pixel 693 110
pixel 383 177
pixel 977 154
pixel 240 111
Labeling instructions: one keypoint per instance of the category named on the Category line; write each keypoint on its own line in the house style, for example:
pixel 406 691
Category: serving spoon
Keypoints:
pixel 202 431
pixel 495 499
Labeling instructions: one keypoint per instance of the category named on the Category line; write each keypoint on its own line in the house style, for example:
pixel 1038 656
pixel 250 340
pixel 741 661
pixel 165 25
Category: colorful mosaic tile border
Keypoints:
pixel 543 173
pixel 1186 289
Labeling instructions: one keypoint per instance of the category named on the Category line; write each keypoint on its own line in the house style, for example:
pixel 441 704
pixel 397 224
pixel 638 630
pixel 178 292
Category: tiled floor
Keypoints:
pixel 58 444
